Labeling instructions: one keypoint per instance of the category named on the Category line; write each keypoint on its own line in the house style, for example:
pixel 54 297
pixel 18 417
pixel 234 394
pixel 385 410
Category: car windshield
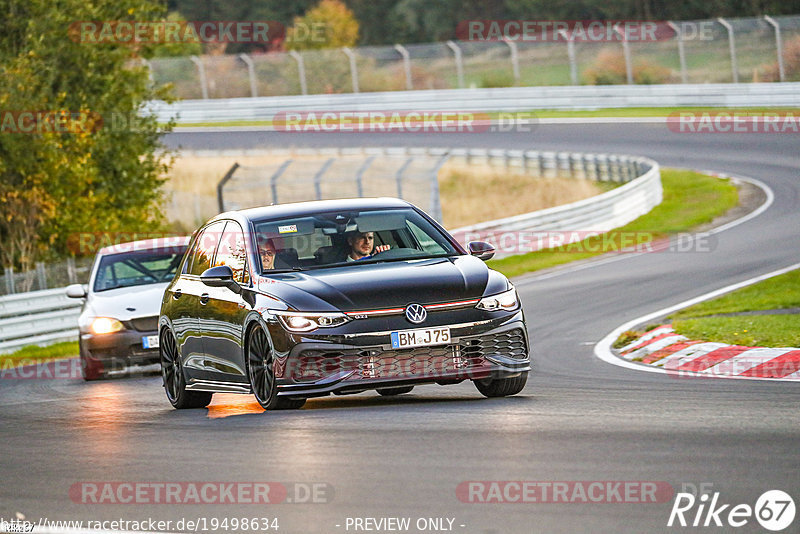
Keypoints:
pixel 137 268
pixel 347 238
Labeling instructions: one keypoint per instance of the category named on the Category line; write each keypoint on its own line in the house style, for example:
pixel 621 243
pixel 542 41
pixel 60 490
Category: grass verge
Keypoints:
pixel 26 355
pixel 781 292
pixel 690 200
pixel 747 330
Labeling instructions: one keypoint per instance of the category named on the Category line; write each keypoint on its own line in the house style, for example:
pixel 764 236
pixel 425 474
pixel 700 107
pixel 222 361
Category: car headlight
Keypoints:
pixel 105 325
pixel 306 322
pixel 502 301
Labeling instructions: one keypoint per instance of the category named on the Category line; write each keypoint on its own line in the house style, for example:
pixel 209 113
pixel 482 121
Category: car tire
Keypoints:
pixel 391 392
pixel 92 370
pixel 173 377
pixel 261 373
pixel 502 387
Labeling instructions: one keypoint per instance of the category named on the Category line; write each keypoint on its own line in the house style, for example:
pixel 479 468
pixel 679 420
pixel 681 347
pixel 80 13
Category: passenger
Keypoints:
pixel 362 246
pixel 267 252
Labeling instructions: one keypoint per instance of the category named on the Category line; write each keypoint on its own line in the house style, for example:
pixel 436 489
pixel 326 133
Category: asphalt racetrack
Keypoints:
pixel 579 418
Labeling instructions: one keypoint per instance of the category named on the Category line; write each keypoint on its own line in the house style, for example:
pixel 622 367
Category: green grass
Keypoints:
pixel 690 199
pixel 26 355
pixel 780 292
pixel 749 331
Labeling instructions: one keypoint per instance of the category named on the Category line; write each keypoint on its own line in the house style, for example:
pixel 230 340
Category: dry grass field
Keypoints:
pixel 468 194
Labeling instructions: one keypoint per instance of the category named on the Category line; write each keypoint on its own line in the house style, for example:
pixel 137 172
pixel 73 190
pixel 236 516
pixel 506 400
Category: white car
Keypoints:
pixel 119 319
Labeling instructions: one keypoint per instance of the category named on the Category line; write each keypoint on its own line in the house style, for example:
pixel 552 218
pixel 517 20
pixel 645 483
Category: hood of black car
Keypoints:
pixel 370 286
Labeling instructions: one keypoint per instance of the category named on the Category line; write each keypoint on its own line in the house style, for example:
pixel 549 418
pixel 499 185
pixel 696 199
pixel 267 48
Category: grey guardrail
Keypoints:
pixel 487 100
pixel 37 317
pixel 48 316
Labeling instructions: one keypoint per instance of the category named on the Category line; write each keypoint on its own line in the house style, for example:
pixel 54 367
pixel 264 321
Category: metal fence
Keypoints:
pixel 708 51
pixel 310 174
pixel 46 275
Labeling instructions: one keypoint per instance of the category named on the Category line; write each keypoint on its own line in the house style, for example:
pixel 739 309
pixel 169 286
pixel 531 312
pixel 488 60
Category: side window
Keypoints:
pixel 204 249
pixel 233 252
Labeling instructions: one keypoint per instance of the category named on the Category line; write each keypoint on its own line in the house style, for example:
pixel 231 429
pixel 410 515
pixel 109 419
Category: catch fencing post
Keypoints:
pixel 221 185
pixel 406 65
pixel 201 71
pixel 273 180
pixel 360 175
pixel 251 72
pixel 626 50
pixel 318 177
pixel 573 64
pixel 353 67
pixel 398 176
pixel 459 63
pixel 436 206
pixel 149 69
pixel 681 50
pixel 732 47
pixel 514 59
pixel 9 276
pixel 301 70
pixel 72 274
pixel 41 274
pixel 778 46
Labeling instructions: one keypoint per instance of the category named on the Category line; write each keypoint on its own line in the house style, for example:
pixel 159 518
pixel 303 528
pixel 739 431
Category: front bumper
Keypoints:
pixel 118 350
pixel 492 348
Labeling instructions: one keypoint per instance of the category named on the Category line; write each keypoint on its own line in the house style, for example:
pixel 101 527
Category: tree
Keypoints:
pixel 330 24
pixel 105 172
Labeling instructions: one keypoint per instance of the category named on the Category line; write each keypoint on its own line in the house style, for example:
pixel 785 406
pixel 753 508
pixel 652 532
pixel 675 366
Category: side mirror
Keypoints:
pixel 220 276
pixel 481 250
pixel 76 291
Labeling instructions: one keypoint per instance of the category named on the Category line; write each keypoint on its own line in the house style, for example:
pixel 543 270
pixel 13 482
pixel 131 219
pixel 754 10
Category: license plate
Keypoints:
pixel 421 337
pixel 150 342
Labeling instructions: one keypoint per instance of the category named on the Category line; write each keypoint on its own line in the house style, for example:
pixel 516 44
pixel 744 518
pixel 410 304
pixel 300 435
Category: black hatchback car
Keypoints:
pixel 303 300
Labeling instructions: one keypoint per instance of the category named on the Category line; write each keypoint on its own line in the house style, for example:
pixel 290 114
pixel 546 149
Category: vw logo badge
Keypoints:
pixel 416 313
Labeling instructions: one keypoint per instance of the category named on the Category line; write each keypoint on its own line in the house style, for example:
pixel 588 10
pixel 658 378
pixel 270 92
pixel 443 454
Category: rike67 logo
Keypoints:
pixel 774 510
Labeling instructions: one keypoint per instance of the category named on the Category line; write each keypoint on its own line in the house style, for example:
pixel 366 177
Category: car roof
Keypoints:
pixel 142 245
pixel 299 209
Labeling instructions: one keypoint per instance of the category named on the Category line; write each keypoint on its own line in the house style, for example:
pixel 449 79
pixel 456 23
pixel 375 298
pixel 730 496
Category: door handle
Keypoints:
pixel 204 298
pixel 176 294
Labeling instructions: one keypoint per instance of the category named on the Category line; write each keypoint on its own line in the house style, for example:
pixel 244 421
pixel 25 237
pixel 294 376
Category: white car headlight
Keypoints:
pixel 105 325
pixel 306 322
pixel 502 301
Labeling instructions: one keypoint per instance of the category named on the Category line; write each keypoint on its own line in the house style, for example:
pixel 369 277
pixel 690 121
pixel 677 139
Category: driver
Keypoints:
pixel 362 246
pixel 267 252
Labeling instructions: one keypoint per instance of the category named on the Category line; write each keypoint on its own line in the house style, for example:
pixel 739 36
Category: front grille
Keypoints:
pixel 145 324
pixel 469 353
